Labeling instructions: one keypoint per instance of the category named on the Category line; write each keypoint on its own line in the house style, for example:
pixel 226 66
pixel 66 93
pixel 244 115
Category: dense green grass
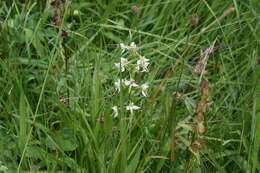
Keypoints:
pixel 57 92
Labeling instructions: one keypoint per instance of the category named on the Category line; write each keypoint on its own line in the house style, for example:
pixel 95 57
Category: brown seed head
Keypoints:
pixel 229 11
pixel 135 9
pixel 197 145
pixel 62 99
pixel 194 20
pixel 198 127
pixel 204 89
pixel 177 95
pixel 64 34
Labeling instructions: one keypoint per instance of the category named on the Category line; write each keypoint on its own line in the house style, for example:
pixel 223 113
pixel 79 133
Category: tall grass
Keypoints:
pixel 57 74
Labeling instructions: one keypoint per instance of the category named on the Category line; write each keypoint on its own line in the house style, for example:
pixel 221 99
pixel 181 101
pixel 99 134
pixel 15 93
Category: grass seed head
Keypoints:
pixel 194 20
pixel 197 145
pixel 135 9
pixel 229 11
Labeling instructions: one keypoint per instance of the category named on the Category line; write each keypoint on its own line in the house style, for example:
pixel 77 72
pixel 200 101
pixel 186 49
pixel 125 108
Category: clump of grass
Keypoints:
pixel 60 110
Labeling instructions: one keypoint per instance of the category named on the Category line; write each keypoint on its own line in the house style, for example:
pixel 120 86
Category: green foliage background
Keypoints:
pixel 38 67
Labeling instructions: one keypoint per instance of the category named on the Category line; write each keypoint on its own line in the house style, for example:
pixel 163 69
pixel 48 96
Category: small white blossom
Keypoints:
pixel 76 12
pixel 130 83
pixel 118 67
pixel 144 88
pixel 118 85
pixel 131 107
pixel 123 62
pixel 142 64
pixel 132 47
pixel 123 47
pixel 115 111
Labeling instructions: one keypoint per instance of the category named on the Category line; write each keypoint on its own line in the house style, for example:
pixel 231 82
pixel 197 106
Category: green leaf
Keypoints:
pixel 135 161
pixel 22 121
pixel 65 139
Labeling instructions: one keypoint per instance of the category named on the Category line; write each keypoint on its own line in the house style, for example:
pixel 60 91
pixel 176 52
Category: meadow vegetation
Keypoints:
pixel 117 86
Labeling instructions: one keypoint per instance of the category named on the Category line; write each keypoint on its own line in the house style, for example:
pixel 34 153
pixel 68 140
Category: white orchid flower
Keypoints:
pixel 142 64
pixel 131 107
pixel 144 88
pixel 130 83
pixel 131 47
pixel 123 62
pixel 118 85
pixel 123 47
pixel 115 111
